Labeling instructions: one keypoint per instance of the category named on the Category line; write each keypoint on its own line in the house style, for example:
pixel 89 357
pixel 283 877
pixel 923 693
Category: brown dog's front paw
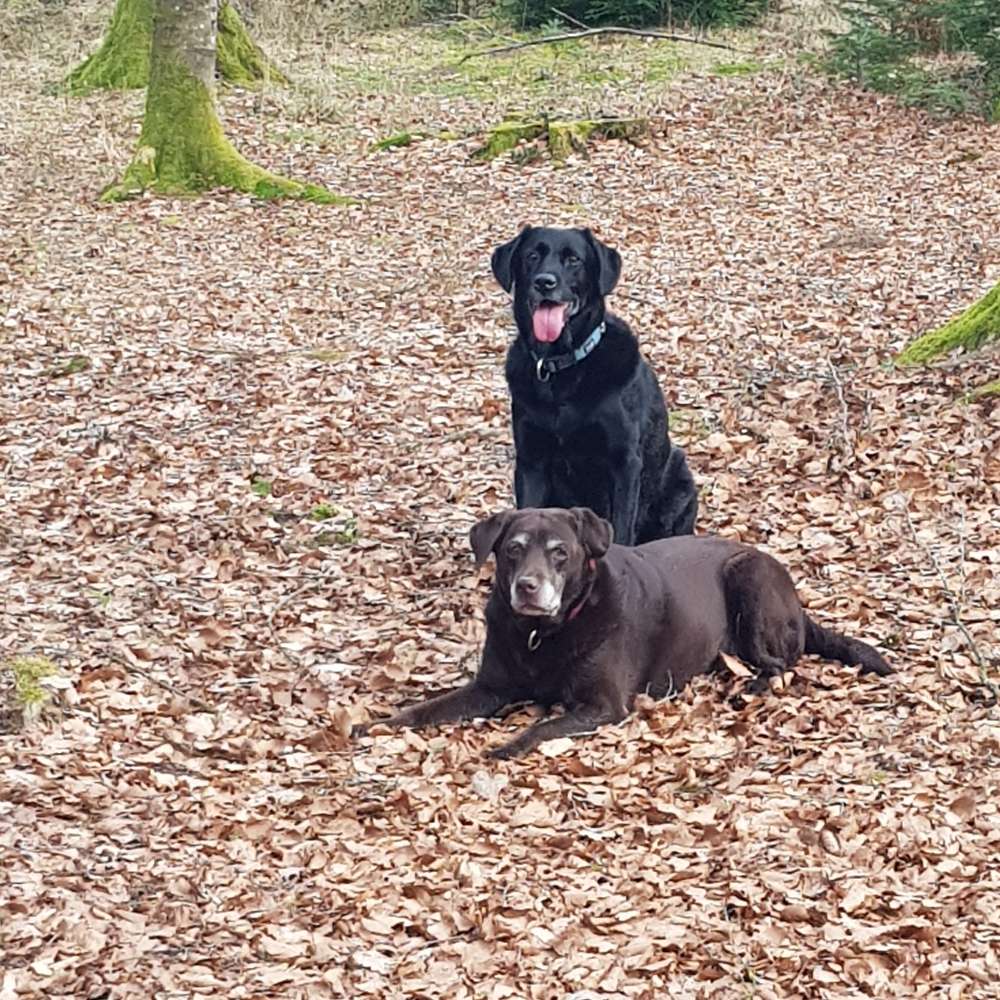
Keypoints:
pixel 509 751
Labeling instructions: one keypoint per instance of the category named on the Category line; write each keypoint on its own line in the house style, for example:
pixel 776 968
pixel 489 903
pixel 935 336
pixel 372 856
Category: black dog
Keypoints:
pixel 573 619
pixel 590 423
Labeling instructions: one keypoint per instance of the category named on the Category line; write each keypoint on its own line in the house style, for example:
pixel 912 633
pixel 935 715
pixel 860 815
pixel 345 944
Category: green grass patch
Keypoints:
pixel 262 487
pixel 748 68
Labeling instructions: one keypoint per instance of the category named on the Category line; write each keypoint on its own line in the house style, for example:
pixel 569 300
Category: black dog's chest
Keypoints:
pixel 556 424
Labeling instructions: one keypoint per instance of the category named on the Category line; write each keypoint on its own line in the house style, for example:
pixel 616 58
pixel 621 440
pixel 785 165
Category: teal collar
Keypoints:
pixel 545 368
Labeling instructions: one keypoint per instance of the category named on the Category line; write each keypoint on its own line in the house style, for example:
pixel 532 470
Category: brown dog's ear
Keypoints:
pixel 485 534
pixel 609 263
pixel 503 260
pixel 594 532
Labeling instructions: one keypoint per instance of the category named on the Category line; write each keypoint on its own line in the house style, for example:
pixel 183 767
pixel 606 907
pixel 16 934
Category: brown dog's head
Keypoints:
pixel 542 554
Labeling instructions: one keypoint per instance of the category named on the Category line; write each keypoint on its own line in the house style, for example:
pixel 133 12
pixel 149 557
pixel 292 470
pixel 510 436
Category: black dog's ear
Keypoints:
pixel 503 260
pixel 485 534
pixel 594 532
pixel 609 263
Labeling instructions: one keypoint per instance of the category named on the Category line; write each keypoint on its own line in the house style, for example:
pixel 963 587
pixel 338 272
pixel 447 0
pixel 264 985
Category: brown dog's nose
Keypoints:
pixel 527 584
pixel 545 282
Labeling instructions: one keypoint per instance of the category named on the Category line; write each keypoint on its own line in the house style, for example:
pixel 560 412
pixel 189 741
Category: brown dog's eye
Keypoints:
pixel 514 549
pixel 559 555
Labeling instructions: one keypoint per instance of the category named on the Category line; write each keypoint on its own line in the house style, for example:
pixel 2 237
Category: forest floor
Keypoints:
pixel 241 447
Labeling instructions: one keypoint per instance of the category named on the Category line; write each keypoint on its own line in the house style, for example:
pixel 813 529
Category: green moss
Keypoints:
pixel 239 59
pixel 182 148
pixel 122 61
pixel 507 135
pixel 977 325
pixel 30 697
pixel 397 139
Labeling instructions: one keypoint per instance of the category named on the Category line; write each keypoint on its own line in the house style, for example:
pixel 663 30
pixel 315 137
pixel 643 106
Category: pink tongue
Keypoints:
pixel 547 322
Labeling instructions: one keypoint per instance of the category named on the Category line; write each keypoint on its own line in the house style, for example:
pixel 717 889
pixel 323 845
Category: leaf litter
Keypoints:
pixel 195 820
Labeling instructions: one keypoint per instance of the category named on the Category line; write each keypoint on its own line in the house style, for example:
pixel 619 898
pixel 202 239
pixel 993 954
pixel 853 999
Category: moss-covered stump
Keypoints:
pixel 122 61
pixel 561 138
pixel 976 326
pixel 182 149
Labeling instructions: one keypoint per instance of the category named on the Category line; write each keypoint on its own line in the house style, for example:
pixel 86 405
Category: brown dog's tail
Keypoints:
pixel 834 646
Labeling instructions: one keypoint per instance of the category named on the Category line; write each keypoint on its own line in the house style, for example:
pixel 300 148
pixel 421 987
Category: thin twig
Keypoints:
pixel 590 32
pixel 570 18
pixel 159 682
pixel 954 606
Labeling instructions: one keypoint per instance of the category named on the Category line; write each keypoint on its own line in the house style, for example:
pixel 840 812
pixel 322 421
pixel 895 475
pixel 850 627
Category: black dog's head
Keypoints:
pixel 559 278
pixel 543 555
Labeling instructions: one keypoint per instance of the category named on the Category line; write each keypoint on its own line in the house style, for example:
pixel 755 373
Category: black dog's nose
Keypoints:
pixel 527 584
pixel 545 281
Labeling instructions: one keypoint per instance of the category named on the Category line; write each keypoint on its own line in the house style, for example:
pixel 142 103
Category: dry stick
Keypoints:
pixel 166 685
pixel 954 606
pixel 570 18
pixel 590 32
pixel 844 413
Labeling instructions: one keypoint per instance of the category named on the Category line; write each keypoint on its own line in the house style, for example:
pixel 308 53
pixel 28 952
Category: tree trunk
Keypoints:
pixel 122 61
pixel 977 325
pixel 182 148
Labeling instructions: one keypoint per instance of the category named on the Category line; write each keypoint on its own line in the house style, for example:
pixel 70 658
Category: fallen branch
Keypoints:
pixel 590 32
pixel 954 603
pixel 136 668
pixel 845 433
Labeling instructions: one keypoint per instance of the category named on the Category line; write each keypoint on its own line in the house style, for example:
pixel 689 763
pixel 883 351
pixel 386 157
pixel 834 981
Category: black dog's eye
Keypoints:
pixel 532 256
pixel 572 260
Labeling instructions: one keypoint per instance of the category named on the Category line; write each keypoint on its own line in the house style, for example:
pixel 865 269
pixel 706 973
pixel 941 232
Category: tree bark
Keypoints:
pixel 976 326
pixel 182 148
pixel 122 61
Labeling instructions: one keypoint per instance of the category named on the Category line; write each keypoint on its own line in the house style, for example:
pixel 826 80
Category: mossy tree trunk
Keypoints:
pixel 979 324
pixel 182 148
pixel 122 61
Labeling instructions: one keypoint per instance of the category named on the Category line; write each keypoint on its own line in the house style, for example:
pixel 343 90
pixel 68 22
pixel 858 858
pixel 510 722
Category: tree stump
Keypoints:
pixel 558 137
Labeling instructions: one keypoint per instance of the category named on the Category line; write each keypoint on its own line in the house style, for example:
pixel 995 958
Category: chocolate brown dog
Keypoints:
pixel 573 619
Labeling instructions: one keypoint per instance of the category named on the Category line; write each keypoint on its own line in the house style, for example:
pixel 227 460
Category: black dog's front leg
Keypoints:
pixel 625 499
pixel 530 486
pixel 577 723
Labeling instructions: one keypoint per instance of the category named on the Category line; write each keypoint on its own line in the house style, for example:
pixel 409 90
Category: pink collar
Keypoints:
pixel 578 607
